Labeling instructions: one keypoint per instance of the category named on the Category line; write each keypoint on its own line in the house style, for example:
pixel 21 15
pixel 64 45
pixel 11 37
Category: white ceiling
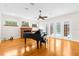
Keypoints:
pixel 48 9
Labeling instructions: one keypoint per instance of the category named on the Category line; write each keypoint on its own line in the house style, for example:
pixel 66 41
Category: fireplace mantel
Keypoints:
pixel 25 29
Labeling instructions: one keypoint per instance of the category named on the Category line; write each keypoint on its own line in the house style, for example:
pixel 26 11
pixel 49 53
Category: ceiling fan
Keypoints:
pixel 41 17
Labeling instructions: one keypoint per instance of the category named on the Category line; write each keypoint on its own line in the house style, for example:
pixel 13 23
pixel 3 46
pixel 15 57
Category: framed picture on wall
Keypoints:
pixel 34 25
pixel 24 23
pixel 10 23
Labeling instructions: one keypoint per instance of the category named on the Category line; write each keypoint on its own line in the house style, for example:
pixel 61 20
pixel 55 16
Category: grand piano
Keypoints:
pixel 36 36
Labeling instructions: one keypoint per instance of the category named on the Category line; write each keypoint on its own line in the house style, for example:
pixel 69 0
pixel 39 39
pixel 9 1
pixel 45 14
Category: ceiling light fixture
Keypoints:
pixel 41 17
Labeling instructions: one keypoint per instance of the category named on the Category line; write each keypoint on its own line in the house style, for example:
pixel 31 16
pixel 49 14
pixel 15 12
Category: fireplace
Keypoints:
pixel 25 29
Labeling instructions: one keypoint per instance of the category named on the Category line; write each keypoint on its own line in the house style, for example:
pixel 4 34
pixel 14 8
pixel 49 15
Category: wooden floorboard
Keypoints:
pixel 54 47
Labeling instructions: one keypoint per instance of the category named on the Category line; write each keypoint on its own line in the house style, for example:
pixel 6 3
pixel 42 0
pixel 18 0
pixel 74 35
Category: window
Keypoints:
pixel 58 28
pixel 46 29
pixel 51 29
pixel 66 29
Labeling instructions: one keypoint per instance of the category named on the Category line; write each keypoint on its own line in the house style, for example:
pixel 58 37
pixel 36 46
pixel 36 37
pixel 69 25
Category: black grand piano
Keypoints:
pixel 36 36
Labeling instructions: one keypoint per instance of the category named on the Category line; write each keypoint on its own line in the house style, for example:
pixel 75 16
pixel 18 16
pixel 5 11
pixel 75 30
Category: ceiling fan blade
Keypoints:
pixel 45 16
pixel 41 17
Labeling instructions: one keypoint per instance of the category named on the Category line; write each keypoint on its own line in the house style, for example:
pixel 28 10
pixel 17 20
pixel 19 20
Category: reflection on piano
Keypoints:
pixel 36 36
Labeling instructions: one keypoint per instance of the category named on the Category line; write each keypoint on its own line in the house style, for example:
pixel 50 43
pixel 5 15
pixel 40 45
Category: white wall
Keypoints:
pixel 8 31
pixel 0 25
pixel 72 18
pixel 75 26
pixel 14 31
pixel 42 25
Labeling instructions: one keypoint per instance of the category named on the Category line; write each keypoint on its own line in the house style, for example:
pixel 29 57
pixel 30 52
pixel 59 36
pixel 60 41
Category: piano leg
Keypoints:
pixel 25 44
pixel 37 44
pixel 40 44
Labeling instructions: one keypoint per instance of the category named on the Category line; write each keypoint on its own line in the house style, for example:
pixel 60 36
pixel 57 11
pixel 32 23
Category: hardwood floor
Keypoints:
pixel 54 47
